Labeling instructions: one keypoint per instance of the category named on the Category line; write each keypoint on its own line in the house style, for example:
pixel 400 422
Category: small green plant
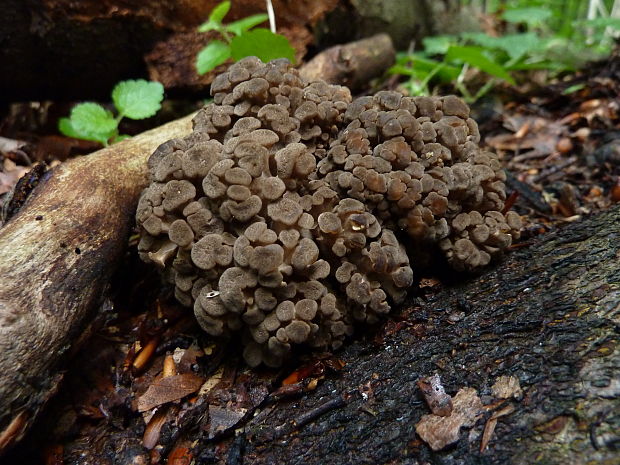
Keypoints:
pixel 529 43
pixel 240 39
pixel 134 99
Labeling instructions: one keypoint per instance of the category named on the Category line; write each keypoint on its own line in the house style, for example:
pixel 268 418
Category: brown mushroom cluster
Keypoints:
pixel 282 216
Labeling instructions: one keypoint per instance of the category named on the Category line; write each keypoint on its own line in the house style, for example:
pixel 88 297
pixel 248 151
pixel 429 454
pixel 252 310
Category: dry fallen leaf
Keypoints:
pixel 489 428
pixel 10 173
pixel 222 418
pixel 169 389
pixel 439 432
pixel 506 387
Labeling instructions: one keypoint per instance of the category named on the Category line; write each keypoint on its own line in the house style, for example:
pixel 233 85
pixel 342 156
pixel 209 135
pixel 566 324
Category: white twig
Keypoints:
pixel 272 16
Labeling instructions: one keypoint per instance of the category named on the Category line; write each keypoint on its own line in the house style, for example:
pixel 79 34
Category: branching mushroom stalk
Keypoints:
pixel 276 217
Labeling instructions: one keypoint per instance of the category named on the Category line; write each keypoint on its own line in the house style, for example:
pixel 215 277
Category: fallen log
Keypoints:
pixel 353 64
pixel 547 316
pixel 58 252
pixel 56 256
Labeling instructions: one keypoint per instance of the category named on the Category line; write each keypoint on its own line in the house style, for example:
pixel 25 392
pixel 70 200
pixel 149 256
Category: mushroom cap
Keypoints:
pixel 290 213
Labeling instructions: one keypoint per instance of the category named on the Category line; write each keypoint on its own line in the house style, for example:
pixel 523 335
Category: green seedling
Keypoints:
pixel 533 41
pixel 133 99
pixel 240 39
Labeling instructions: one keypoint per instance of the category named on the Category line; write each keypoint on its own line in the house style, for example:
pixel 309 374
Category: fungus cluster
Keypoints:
pixel 282 215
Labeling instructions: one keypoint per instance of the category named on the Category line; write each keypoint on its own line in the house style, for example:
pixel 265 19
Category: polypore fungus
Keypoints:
pixel 279 217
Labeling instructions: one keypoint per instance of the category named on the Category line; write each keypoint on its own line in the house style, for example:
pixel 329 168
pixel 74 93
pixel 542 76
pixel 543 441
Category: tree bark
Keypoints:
pixel 353 64
pixel 56 256
pixel 548 315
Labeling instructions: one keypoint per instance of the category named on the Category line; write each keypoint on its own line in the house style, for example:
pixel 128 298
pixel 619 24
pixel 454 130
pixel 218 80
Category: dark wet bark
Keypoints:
pixel 548 315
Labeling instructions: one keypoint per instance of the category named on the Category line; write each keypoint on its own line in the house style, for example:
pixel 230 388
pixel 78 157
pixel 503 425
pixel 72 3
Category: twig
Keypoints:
pixel 316 412
pixel 554 169
pixel 272 16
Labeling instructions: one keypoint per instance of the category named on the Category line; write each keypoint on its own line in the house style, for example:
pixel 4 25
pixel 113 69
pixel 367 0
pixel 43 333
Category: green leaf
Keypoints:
pixel 574 88
pixel 66 127
pixel 138 99
pixel 245 24
pixel 209 26
pixel 420 67
pixel 214 54
pixel 218 13
pixel 438 45
pixel 214 23
pixel 515 45
pixel 602 22
pixel 532 16
pixel 91 118
pixel 474 56
pixel 262 43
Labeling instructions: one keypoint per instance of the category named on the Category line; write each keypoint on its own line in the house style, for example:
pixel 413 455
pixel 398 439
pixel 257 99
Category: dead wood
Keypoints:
pixel 353 64
pixel 56 256
pixel 548 316
pixel 55 49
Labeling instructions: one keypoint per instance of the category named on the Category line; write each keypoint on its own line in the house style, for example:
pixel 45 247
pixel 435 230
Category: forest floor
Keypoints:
pixel 560 145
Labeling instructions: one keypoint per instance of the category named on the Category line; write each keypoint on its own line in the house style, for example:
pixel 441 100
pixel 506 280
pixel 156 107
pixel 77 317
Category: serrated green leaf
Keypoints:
pixel 66 127
pixel 262 43
pixel 218 13
pixel 214 54
pixel 532 16
pixel 138 99
pixel 245 24
pixel 474 56
pixel 91 118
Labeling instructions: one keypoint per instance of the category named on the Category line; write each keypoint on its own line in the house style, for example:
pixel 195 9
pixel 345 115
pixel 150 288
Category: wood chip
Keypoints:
pixel 439 432
pixel 506 387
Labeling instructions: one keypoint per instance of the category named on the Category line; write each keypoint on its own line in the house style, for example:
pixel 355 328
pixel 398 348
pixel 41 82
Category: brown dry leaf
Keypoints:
pixel 439 432
pixel 153 429
pixel 533 137
pixel 506 387
pixel 10 174
pixel 181 455
pixel 489 428
pixel 168 389
pixel 222 419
